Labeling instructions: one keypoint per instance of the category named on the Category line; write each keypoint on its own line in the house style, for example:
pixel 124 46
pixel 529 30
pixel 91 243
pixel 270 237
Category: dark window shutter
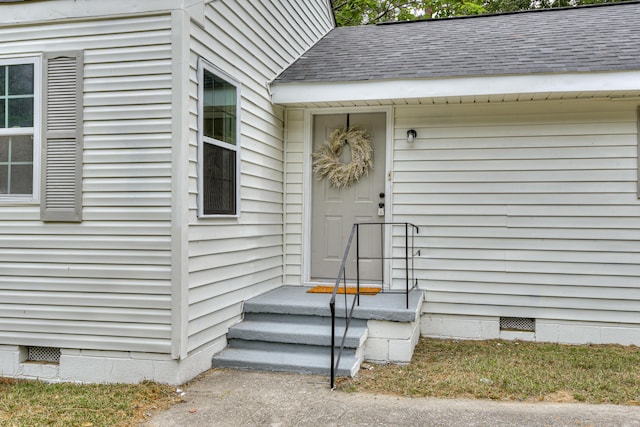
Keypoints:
pixel 62 137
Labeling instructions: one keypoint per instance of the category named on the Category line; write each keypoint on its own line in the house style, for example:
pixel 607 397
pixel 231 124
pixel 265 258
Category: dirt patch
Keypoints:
pixel 8 381
pixel 560 397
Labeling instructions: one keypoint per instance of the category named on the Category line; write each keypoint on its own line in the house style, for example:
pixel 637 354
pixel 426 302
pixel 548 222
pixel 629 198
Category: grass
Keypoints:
pixel 34 403
pixel 510 370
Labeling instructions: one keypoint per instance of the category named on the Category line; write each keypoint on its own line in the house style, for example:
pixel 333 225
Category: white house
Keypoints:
pixel 114 258
pixel 523 176
pixel 156 173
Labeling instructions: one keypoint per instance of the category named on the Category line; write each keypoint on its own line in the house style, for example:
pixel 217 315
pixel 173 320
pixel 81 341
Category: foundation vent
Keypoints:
pixel 44 354
pixel 520 324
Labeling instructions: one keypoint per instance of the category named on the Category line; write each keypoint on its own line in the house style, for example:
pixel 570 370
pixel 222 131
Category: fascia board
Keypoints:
pixel 326 92
pixel 44 11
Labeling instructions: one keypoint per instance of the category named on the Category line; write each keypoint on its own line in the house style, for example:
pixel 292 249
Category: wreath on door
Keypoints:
pixel 327 163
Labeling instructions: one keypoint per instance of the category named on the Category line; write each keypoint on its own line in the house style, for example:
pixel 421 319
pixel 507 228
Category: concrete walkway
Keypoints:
pixel 244 398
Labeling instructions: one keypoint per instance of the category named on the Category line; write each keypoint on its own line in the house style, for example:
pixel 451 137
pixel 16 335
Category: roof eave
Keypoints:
pixel 34 12
pixel 380 90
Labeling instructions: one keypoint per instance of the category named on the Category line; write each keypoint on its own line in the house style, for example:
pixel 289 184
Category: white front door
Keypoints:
pixel 334 211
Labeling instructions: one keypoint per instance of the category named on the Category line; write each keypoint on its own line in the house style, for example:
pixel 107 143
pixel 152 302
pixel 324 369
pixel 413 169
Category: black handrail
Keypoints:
pixel 342 276
pixel 332 306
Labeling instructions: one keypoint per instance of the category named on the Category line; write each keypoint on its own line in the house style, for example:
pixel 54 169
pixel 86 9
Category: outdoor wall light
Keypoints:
pixel 411 135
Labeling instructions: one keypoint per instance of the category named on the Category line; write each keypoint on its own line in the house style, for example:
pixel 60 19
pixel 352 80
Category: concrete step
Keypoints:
pixel 278 305
pixel 306 359
pixel 288 329
pixel 296 301
pixel 295 329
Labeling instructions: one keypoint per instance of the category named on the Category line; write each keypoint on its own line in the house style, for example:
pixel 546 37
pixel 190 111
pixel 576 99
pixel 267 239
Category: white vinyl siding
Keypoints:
pixel 294 196
pixel 104 283
pixel 233 259
pixel 638 163
pixel 525 209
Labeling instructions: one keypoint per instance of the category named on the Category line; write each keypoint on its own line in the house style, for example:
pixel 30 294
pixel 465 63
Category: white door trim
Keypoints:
pixel 308 178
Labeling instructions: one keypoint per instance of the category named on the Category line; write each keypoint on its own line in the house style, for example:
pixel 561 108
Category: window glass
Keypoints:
pixel 4 150
pixel 21 179
pixel 219 109
pixel 20 81
pixel 20 113
pixel 4 179
pixel 22 149
pixel 16 165
pixel 3 107
pixel 219 180
pixel 16 95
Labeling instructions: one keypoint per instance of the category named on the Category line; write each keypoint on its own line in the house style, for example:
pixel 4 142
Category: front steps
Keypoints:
pixel 289 330
pixel 290 343
pixel 295 329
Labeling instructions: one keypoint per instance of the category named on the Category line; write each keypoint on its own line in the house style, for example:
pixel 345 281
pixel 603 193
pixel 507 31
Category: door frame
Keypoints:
pixel 308 178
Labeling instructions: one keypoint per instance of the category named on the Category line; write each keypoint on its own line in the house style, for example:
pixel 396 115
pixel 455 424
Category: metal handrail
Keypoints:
pixel 342 277
pixel 332 306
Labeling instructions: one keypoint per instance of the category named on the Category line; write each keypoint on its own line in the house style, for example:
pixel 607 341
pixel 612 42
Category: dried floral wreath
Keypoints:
pixel 327 163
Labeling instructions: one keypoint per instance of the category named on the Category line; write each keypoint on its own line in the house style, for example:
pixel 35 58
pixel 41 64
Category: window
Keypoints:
pixel 219 145
pixel 18 138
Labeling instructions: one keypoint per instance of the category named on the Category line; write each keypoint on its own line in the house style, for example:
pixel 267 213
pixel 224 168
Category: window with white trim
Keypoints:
pixel 219 143
pixel 19 148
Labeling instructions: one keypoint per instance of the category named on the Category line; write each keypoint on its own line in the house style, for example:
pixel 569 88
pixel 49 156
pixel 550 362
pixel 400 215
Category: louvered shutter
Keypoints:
pixel 62 137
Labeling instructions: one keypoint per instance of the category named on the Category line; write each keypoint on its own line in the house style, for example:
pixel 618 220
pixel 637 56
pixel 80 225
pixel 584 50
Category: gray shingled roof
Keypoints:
pixel 601 38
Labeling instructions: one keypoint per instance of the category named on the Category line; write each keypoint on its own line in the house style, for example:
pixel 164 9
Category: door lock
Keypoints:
pixel 380 209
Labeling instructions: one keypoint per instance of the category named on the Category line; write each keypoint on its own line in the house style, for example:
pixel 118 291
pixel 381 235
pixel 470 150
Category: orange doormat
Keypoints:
pixel 341 290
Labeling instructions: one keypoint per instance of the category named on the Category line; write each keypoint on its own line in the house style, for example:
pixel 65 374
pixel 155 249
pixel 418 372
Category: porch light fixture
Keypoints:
pixel 411 135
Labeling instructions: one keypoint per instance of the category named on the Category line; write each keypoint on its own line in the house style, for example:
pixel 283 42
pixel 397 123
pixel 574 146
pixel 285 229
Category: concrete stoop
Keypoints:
pixel 289 330
pixel 291 343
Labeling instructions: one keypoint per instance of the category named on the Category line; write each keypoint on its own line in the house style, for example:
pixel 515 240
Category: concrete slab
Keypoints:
pixel 296 300
pixel 297 359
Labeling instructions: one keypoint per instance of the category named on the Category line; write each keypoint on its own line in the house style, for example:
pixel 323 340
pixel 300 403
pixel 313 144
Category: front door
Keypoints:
pixel 334 211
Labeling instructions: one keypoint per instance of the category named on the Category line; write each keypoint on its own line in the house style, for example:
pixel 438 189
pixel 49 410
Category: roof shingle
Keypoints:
pixel 596 38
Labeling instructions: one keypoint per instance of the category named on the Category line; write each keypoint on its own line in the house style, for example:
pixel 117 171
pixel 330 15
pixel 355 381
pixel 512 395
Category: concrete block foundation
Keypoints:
pixel 391 342
pixel 95 366
pixel 546 330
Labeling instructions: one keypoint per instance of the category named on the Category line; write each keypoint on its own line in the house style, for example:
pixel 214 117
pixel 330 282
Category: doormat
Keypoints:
pixel 341 290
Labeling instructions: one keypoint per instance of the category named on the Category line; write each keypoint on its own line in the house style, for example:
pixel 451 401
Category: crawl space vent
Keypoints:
pixel 520 324
pixel 44 354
